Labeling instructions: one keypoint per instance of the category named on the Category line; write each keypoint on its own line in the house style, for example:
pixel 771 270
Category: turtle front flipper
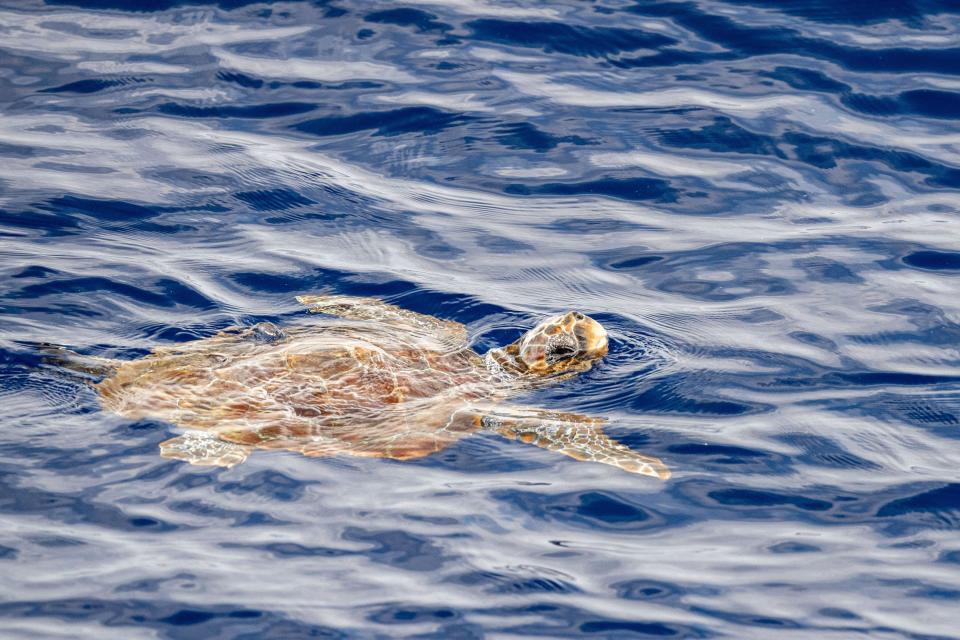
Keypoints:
pixel 262 332
pixel 204 449
pixel 453 333
pixel 574 435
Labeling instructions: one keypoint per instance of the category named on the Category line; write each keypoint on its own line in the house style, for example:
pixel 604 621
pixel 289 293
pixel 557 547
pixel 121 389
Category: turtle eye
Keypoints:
pixel 561 351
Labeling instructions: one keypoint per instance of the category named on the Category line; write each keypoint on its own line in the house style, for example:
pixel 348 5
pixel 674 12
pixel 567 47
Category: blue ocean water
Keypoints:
pixel 757 198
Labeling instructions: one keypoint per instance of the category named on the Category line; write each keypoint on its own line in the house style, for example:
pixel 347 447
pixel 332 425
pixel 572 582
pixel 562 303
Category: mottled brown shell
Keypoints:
pixel 385 389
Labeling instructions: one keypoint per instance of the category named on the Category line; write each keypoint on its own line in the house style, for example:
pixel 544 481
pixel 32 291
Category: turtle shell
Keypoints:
pixel 359 388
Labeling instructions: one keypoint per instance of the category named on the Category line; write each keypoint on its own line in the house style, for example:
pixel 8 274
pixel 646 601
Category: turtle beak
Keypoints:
pixel 592 337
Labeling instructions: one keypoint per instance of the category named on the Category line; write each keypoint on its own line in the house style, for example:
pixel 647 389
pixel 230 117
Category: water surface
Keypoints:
pixel 758 199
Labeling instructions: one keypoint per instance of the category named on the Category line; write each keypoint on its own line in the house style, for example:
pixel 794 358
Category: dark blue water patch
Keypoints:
pixel 943 501
pixel 34 271
pixel 482 453
pixel 820 451
pixel 821 269
pixel 273 199
pixel 428 243
pixel 461 308
pixel 73 168
pixel 236 517
pixel 854 379
pixel 559 620
pixel 92 85
pixel 750 620
pixel 823 153
pixel 806 79
pixel 935 413
pixel 944 334
pixel 285 550
pixel 446 622
pixel 933 260
pixel 101 210
pixel 918 589
pixel 928 103
pixel 399 549
pixel 73 508
pixel 757 498
pixel 239 78
pixel 272 485
pixel 668 395
pixel 525 135
pixel 885 378
pixel 8 553
pixel 742 41
pixel 407 17
pixel 597 510
pixel 149 6
pixel 896 511
pixel 724 136
pixel 793 547
pixel 331 10
pixel 911 12
pixel 169 619
pixel 411 615
pixel 950 557
pixel 254 111
pixel 318 281
pixel 45 223
pixel 348 85
pixel 718 458
pixel 425 120
pixel 18 151
pixel 632 189
pixel 643 589
pixel 634 263
pixel 593 224
pixel 637 629
pixel 748 287
pixel 502 244
pixel 519 582
pixel 565 38
pixel 157 292
pixel 837 612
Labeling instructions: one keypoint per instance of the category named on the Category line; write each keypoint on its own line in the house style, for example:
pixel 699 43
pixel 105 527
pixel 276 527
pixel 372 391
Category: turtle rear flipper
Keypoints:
pixel 579 437
pixel 204 449
pixel 93 366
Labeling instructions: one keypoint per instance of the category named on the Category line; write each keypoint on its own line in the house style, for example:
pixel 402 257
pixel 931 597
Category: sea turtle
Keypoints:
pixel 377 380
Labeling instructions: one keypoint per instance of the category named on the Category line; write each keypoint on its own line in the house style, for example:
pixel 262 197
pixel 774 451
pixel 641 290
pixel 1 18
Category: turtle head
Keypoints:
pixel 568 343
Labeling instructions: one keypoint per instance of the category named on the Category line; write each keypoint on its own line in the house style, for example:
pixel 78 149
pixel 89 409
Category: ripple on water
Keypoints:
pixel 755 198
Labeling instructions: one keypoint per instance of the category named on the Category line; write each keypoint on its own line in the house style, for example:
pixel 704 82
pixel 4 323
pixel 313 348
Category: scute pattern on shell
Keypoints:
pixel 367 389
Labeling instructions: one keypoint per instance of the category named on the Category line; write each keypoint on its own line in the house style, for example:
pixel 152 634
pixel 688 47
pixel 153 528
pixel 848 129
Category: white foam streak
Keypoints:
pixel 330 70
pixel 38 33
pixel 489 8
pixel 668 165
pixel 450 101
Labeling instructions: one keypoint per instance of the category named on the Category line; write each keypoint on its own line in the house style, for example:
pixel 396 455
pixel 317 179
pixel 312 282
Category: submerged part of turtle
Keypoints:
pixel 377 381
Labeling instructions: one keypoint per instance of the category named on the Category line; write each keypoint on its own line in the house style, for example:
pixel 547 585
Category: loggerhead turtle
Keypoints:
pixel 378 381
